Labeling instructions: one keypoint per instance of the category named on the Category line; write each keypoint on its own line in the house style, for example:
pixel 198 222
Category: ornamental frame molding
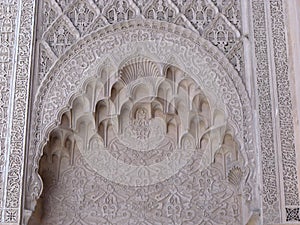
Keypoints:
pixel 48 113
pixel 267 20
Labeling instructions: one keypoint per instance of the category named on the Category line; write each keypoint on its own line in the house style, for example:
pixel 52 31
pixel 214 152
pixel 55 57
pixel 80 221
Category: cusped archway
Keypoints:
pixel 118 90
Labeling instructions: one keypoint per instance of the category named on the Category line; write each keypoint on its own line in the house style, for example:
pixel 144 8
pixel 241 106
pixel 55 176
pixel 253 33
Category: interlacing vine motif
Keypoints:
pixel 210 195
pixel 217 21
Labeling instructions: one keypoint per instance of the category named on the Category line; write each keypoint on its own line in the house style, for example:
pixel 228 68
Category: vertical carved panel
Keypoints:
pixel 289 166
pixel 270 195
pixel 16 26
pixel 8 29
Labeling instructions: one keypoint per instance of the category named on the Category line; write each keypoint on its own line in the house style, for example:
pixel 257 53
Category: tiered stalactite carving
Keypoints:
pixel 142 145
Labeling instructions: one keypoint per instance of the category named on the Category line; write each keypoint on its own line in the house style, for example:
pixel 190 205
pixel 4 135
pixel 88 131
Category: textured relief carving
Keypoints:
pixel 270 182
pixel 8 13
pixel 102 3
pixel 199 13
pixel 99 22
pixel 17 141
pixel 87 16
pixel 198 176
pixel 50 12
pixel 16 24
pixel 84 63
pixel 96 200
pixel 233 13
pixel 175 201
pixel 222 35
pixel 236 57
pixel 289 165
pixel 61 36
pixel 118 11
pixel 47 58
pixel 7 31
pixel 82 15
pixel 12 69
pixel 159 10
pixel 64 3
pixel 292 214
pixel 287 148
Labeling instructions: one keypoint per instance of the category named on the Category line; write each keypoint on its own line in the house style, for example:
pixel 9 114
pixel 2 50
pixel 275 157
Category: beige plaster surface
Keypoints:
pixel 293 10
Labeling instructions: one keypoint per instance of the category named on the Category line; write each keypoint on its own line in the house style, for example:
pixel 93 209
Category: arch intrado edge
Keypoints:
pixel 161 41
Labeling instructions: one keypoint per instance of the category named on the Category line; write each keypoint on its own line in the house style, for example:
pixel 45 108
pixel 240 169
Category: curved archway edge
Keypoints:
pixel 161 41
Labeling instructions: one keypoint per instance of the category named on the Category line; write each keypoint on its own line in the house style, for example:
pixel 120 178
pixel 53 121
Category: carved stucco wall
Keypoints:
pixel 146 42
pixel 16 49
pixel 74 38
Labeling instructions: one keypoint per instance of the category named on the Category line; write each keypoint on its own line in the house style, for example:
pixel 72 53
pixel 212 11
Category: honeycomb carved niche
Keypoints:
pixel 142 145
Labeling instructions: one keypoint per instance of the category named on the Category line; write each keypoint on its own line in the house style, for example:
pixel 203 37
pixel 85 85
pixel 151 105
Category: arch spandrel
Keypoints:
pixel 160 41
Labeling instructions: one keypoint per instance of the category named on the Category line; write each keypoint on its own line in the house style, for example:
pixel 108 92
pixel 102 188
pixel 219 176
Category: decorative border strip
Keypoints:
pixel 290 180
pixel 8 12
pixel 21 88
pixel 8 41
pixel 270 192
pixel 270 195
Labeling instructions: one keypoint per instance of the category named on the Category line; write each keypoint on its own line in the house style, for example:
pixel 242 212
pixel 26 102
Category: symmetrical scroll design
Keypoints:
pixel 82 15
pixel 60 36
pixel 8 19
pixel 222 35
pixel 86 16
pixel 199 13
pixel 68 76
pixel 159 10
pixel 153 145
pixel 117 11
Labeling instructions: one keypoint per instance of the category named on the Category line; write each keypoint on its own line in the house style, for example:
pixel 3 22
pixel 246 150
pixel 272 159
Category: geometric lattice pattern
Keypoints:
pixel 292 214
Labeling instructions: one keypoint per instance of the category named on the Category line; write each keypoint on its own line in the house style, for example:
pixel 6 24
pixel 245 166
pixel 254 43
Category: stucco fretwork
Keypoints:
pixel 63 22
pixel 144 146
pixel 177 109
pixel 120 47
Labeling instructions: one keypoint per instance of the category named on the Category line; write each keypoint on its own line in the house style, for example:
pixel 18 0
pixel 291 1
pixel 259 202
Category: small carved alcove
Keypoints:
pixel 142 145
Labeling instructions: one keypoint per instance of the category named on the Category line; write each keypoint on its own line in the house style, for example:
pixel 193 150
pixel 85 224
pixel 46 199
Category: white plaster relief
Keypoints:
pixel 161 49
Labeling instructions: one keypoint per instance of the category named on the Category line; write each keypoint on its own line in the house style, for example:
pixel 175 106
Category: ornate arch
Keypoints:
pixel 162 42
